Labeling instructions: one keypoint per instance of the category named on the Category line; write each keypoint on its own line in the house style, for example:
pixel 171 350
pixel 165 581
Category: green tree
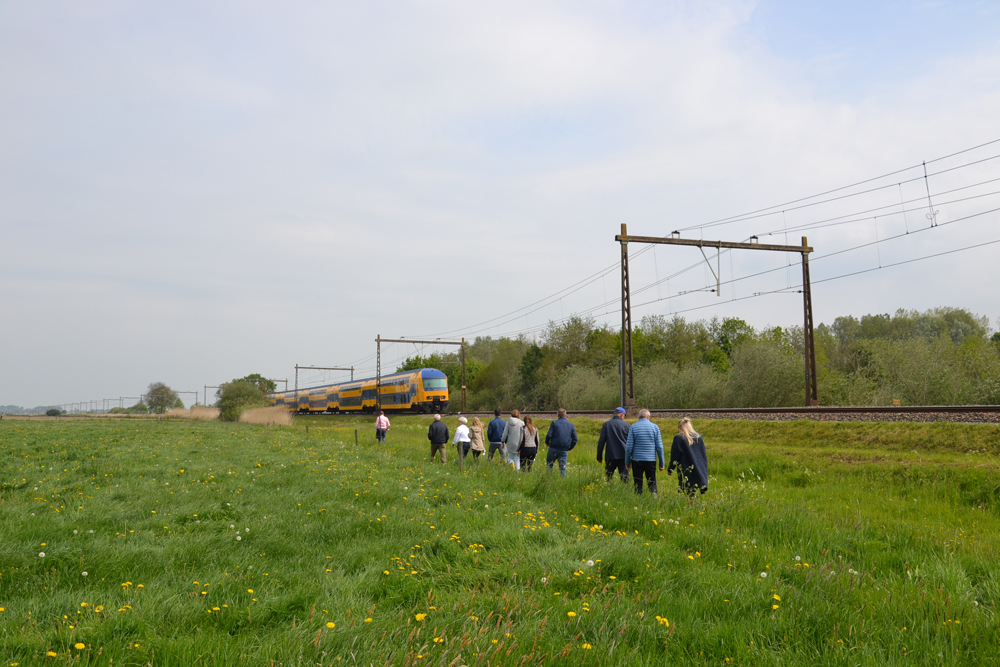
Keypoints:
pixel 53 412
pixel 160 397
pixel 266 386
pixel 236 397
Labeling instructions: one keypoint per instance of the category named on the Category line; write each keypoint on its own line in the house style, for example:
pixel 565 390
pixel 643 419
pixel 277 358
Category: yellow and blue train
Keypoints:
pixel 422 390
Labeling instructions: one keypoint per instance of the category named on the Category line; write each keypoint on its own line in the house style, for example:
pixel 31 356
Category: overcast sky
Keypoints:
pixel 194 191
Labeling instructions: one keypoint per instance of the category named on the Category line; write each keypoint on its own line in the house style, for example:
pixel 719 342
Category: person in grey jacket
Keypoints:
pixel 614 435
pixel 511 439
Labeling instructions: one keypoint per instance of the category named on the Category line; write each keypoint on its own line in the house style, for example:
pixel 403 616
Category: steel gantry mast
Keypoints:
pixel 627 383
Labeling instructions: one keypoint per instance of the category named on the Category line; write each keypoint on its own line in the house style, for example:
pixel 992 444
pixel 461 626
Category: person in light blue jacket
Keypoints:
pixel 643 451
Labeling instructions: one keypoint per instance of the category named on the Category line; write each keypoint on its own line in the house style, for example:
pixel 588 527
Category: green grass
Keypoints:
pixel 881 541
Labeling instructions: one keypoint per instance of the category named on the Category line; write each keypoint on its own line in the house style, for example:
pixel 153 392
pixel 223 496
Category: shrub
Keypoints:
pixel 53 412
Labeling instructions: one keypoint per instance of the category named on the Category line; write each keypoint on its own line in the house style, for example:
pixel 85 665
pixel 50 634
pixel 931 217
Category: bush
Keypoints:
pixel 235 397
pixel 53 412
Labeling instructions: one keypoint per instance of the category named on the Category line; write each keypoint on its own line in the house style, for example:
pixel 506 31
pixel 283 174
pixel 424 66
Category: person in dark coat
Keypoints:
pixel 687 454
pixel 614 434
pixel 494 433
pixel 438 435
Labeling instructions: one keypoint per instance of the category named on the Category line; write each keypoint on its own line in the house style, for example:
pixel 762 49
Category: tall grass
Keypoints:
pixel 231 544
pixel 275 415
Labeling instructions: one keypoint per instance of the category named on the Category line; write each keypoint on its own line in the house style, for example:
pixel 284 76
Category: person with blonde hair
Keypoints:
pixel 687 454
pixel 477 438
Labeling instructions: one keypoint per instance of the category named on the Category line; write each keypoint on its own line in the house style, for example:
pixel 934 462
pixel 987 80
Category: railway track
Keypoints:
pixel 968 414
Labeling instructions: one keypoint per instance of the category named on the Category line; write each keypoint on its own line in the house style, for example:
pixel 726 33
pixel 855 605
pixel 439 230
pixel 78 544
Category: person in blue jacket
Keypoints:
pixel 494 433
pixel 643 451
pixel 561 438
pixel 687 454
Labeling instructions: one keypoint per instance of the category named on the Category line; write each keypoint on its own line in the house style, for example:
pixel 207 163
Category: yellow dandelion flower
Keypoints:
pixel 52 654
pixel 587 646
pixel 249 590
pixel 777 598
pixel 331 624
pixel 420 617
pixel 368 620
pixel 775 606
pixel 79 646
pixel 571 614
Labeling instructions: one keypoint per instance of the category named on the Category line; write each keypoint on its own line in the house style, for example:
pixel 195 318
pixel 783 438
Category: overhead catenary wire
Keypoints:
pixel 785 205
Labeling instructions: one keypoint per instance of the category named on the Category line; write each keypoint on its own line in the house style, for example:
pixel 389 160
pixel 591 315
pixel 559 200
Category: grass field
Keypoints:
pixel 183 543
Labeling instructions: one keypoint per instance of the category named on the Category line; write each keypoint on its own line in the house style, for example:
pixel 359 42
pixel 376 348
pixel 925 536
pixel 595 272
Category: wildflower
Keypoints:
pixel 775 606
pixel 79 646
pixel 331 624
pixel 571 614
pixel 438 640
pixel 798 558
pixel 238 538
pixel 545 580
pixel 52 654
pixel 249 590
pixel 587 647
pixel 98 609
pixel 84 573
pixel 368 620
pixel 420 617
pixel 590 563
pixel 763 575
pixel 41 554
pixel 777 598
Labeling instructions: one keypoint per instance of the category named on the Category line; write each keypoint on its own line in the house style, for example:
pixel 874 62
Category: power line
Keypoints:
pixel 737 218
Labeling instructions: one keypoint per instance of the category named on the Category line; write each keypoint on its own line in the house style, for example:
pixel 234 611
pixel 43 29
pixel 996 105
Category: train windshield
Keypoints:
pixel 435 383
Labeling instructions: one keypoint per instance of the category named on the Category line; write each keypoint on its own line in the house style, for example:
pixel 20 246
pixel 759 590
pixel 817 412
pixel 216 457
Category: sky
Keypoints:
pixel 194 191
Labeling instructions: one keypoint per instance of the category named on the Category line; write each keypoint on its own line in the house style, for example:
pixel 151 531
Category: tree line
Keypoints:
pixel 944 356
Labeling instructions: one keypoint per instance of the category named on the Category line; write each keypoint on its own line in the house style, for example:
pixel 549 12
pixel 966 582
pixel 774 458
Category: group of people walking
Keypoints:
pixel 623 448
pixel 517 440
pixel 639 448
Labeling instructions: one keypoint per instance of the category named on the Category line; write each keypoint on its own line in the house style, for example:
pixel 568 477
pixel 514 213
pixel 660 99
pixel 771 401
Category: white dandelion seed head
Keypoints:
pixel 239 537
pixel 590 563
pixel 246 530
pixel 90 531
pixel 798 558
pixel 487 507
pixel 605 504
pixel 600 528
pixel 545 580
pixel 763 575
pixel 36 488
pixel 41 554
pixel 83 573
pixel 231 526
pixel 74 532
pixel 32 514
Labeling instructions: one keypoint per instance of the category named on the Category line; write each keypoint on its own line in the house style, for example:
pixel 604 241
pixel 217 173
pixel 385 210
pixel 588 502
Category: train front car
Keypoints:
pixel 433 391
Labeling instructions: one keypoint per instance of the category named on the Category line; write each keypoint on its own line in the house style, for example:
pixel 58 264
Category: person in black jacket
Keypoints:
pixel 438 435
pixel 614 435
pixel 687 454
